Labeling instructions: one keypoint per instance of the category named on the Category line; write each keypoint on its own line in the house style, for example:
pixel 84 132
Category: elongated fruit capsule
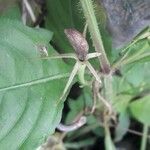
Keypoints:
pixel 78 42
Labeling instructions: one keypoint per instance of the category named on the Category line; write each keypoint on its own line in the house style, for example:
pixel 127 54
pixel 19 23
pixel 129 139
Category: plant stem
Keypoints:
pixel 108 141
pixel 80 144
pixel 81 74
pixel 108 90
pixel 144 138
pixel 88 11
pixel 91 21
pixel 29 10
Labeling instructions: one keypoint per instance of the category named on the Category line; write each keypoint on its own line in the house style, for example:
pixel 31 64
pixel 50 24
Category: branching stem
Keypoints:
pixel 88 11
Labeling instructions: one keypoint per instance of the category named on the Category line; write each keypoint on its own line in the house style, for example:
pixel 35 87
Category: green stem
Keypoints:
pixel 88 11
pixel 144 138
pixel 81 74
pixel 108 90
pixel 108 141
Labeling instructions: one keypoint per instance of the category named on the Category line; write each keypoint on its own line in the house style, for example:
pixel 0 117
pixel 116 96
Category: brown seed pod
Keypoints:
pixel 78 42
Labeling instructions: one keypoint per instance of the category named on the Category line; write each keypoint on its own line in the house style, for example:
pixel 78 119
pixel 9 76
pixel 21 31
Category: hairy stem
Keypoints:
pixel 92 23
pixel 88 11
pixel 144 138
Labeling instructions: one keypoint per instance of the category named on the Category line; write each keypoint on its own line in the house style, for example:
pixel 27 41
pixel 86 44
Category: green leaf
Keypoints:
pixel 121 102
pixel 137 75
pixel 121 105
pixel 134 80
pixel 140 47
pixel 121 86
pixel 29 87
pixel 140 109
pixel 66 16
pixel 122 127
pixel 75 106
pixel 137 50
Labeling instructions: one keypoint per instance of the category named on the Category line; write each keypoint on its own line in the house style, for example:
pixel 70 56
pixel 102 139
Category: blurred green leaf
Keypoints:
pixel 79 104
pixel 137 50
pixel 13 13
pixel 140 109
pixel 29 86
pixel 98 130
pixel 134 80
pixel 121 102
pixel 137 74
pixel 62 15
pixel 120 86
pixel 76 106
pixel 120 105
pixel 122 127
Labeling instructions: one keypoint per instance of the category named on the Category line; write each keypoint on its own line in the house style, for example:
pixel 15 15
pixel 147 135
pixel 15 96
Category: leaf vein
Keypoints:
pixel 35 82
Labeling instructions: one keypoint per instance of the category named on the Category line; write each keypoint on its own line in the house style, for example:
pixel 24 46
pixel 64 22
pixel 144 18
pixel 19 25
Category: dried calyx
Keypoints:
pixel 78 42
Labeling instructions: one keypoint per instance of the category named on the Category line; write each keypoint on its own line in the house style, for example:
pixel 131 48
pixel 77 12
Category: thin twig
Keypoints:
pixel 131 131
pixel 105 102
pixel 144 137
pixel 89 128
pixel 76 119
pixel 95 90
pixel 29 10
pixel 72 127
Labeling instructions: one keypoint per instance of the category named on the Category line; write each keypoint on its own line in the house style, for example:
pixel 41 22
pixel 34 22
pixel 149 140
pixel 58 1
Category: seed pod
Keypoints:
pixel 78 42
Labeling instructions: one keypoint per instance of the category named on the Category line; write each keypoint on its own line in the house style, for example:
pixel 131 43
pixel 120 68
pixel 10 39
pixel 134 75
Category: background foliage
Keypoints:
pixel 30 86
